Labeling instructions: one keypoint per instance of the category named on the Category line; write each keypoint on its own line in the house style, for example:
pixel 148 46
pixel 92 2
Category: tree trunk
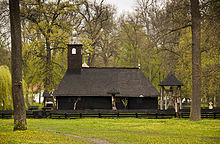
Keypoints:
pixel 39 92
pixel 113 103
pixel 195 113
pixel 27 100
pixel 161 98
pixel 16 63
pixel 48 78
pixel 105 59
pixel 75 103
pixel 32 95
pixel 217 100
pixel 149 67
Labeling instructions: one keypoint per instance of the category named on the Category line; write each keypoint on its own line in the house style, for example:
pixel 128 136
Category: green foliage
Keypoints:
pixel 6 102
pixel 125 102
pixel 47 29
pixel 5 89
pixel 174 52
pixel 131 37
pixel 159 39
pixel 137 49
pixel 35 66
pixel 87 47
pixel 183 68
pixel 97 21
pixel 210 60
pixel 4 53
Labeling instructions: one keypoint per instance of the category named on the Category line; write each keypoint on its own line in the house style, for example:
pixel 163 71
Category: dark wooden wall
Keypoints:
pixel 64 103
pixel 74 60
pixel 138 103
pixel 94 102
pixel 143 103
pixel 67 103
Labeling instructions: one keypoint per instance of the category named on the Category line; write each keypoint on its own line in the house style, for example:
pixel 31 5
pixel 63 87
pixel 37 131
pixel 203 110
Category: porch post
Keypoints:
pixel 161 98
pixel 113 103
pixel 180 97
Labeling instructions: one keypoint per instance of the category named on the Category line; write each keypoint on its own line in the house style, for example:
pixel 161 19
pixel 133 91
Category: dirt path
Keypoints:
pixel 95 140
pixel 100 141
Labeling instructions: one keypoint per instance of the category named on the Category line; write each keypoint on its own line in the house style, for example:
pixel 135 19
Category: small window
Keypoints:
pixel 73 51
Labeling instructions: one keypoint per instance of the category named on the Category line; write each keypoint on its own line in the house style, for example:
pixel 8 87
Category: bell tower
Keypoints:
pixel 74 55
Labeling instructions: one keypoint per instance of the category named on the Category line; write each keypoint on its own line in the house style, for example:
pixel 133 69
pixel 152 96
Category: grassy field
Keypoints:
pixel 117 131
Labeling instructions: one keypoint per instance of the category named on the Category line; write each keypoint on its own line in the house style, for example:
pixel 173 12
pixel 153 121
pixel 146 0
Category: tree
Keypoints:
pixel 4 34
pixel 96 19
pixel 131 36
pixel 177 42
pixel 210 51
pixel 47 27
pixel 4 53
pixel 16 63
pixel 195 113
pixel 153 19
pixel 5 89
pixel 4 24
pixel 136 44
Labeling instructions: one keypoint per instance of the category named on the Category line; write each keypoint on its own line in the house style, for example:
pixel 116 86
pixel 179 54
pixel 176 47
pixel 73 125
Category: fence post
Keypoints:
pixel 100 115
pixel 136 115
pixel 117 115
pixel 180 114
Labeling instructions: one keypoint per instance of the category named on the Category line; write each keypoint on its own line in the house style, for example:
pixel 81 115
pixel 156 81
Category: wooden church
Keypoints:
pixel 84 88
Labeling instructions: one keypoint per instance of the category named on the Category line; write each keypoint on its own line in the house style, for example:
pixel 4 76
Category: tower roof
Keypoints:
pixel 47 94
pixel 74 40
pixel 171 80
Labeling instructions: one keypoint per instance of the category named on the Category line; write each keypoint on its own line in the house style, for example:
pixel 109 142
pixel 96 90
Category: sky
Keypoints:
pixel 123 5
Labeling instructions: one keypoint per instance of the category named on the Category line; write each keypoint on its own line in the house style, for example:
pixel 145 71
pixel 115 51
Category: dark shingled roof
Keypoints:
pixel 47 94
pixel 171 80
pixel 130 82
pixel 113 91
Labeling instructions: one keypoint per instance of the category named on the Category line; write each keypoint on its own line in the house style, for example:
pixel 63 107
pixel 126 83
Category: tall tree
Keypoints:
pixel 96 18
pixel 16 63
pixel 195 113
pixel 47 27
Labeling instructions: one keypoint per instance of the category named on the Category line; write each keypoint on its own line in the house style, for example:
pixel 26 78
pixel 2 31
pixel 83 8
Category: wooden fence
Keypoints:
pixel 112 113
pixel 150 113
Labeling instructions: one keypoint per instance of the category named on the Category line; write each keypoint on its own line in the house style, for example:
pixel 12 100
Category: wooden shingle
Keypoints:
pixel 171 80
pixel 129 82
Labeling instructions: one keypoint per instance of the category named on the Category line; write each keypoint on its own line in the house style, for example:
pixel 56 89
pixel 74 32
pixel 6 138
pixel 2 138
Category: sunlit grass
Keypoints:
pixel 119 131
pixel 33 135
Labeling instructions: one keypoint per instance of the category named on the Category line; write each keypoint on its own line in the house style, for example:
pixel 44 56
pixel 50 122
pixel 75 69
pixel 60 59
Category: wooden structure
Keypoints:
pixel 84 88
pixel 172 95
pixel 47 97
pixel 147 113
pixel 113 92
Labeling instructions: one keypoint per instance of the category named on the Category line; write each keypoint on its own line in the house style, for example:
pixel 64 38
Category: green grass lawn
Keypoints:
pixel 117 131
